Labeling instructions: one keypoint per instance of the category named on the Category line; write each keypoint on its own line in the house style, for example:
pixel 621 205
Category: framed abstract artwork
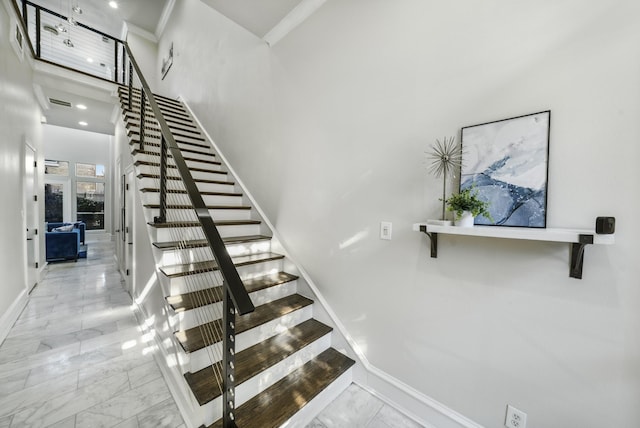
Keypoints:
pixel 506 161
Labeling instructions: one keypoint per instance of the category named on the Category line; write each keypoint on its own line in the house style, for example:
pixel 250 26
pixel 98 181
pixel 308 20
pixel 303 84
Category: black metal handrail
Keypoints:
pixel 235 297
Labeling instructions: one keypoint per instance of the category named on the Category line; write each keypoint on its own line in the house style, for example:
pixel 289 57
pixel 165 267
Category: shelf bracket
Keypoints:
pixel 433 237
pixel 577 255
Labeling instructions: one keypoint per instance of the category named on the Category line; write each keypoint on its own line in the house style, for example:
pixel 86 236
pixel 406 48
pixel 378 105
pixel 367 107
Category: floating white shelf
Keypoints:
pixel 578 238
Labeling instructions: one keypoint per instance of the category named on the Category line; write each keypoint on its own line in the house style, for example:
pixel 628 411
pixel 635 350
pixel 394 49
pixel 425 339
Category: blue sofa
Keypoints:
pixel 65 245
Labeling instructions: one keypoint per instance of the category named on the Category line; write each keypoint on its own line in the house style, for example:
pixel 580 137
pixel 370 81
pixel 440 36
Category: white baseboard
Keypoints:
pixel 11 315
pixel 414 404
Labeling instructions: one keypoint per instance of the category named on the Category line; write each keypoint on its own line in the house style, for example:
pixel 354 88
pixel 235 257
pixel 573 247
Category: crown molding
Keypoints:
pixel 164 18
pixel 297 16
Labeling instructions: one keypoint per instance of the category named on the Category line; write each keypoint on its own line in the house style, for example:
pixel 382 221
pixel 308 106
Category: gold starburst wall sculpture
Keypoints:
pixel 446 160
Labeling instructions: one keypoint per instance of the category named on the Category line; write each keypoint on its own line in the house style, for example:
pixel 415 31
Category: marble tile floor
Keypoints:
pixel 357 408
pixel 76 357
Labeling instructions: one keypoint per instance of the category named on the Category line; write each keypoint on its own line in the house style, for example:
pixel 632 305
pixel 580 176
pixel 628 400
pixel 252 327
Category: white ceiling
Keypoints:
pixel 257 16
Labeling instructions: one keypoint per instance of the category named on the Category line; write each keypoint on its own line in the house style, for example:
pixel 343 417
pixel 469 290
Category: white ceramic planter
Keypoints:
pixel 465 220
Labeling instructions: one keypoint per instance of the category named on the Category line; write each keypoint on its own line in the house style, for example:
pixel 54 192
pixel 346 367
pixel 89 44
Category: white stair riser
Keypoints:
pixel 153 154
pixel 185 284
pixel 200 359
pixel 195 317
pixel 204 164
pixel 187 151
pixel 305 415
pixel 213 172
pixel 167 234
pixel 154 136
pixel 182 198
pixel 190 255
pixel 147 182
pixel 134 117
pixel 257 384
pixel 190 215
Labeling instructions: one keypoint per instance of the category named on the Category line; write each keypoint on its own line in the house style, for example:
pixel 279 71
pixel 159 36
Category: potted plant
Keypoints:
pixel 467 206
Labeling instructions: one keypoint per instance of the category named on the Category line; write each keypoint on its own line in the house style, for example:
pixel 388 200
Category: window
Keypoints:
pixel 90 203
pixel 53 202
pixel 89 170
pixel 54 167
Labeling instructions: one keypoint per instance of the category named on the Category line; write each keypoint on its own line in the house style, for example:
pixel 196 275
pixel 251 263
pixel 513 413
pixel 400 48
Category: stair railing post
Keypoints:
pixel 228 361
pixel 143 108
pixel 162 216
pixel 38 34
pixel 130 83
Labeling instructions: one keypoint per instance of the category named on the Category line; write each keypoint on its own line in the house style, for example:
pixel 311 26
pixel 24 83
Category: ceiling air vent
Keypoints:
pixel 60 102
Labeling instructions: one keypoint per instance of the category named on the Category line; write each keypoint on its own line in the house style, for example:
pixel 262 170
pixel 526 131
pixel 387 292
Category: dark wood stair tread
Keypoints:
pixel 176 135
pixel 190 149
pixel 210 207
pixel 124 92
pixel 170 191
pixel 174 245
pixel 197 180
pixel 210 265
pixel 278 403
pixel 192 339
pixel 257 358
pixel 137 151
pixel 209 162
pixel 192 133
pixel 135 116
pixel 170 224
pixel 165 108
pixel 154 140
pixel 196 299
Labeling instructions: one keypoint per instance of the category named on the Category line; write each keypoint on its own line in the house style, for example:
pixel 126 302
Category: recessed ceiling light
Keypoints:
pixel 82 123
pixel 77 9
pixel 113 4
pixel 81 106
pixel 89 59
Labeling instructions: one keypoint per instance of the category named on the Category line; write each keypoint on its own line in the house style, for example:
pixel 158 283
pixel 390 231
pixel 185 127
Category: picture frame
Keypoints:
pixel 507 162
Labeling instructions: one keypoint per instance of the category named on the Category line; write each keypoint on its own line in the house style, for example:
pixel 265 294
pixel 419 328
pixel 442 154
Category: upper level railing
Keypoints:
pixel 63 41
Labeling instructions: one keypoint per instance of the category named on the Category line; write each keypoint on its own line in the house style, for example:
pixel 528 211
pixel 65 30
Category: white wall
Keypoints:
pixel 77 146
pixel 145 52
pixel 19 122
pixel 328 129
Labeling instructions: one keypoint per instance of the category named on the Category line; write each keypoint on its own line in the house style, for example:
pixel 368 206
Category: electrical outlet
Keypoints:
pixel 385 230
pixel 515 418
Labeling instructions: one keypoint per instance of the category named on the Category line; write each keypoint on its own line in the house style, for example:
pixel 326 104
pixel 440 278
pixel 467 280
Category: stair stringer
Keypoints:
pixel 416 405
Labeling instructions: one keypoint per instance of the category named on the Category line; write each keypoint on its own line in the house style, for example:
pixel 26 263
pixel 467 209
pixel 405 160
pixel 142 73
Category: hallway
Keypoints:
pixel 76 356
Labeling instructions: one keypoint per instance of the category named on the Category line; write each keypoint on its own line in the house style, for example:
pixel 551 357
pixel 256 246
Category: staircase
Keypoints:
pixel 283 356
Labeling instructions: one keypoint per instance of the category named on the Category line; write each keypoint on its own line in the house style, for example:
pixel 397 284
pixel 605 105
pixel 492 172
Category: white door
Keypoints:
pixel 31 216
pixel 128 228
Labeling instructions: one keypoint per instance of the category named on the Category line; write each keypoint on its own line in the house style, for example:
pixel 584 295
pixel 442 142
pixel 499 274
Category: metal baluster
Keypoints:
pixel 38 43
pixel 162 217
pixel 143 112
pixel 130 83
pixel 228 361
